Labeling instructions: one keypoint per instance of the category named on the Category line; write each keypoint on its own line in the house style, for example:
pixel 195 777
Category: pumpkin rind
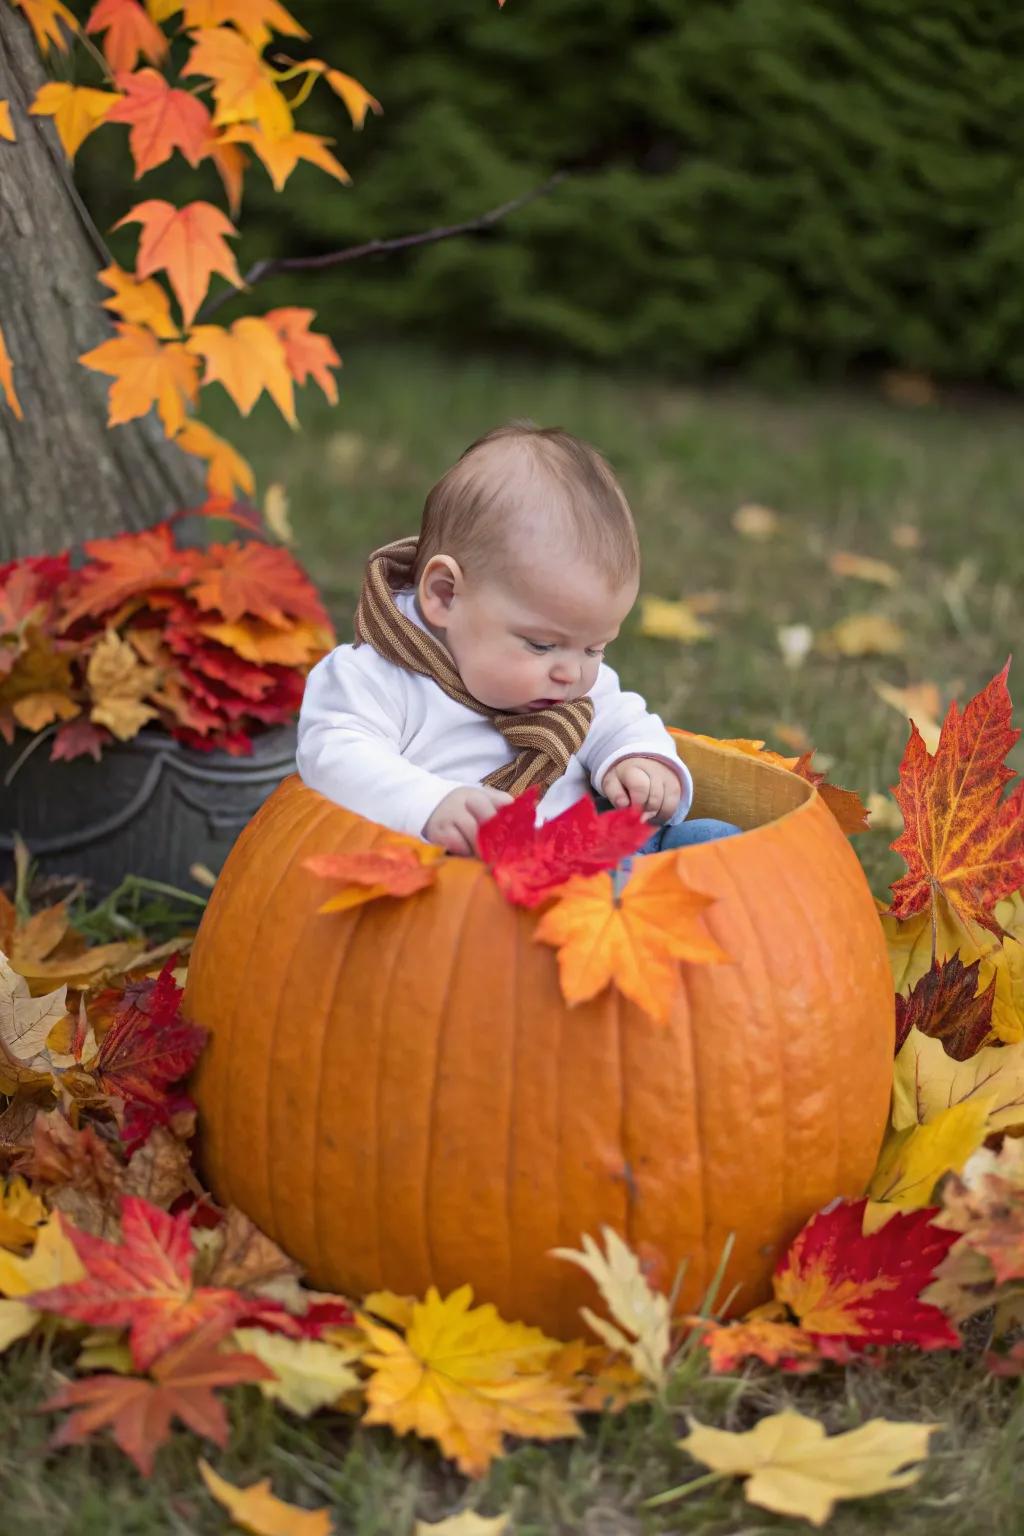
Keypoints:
pixel 399 1095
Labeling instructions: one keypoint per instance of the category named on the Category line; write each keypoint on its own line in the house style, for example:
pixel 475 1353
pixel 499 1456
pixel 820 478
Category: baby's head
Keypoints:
pixel 527 565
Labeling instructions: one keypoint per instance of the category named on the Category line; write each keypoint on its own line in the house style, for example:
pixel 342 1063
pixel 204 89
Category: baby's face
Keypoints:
pixel 526 645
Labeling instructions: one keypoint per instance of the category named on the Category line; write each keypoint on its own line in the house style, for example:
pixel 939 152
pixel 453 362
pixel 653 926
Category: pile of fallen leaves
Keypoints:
pixel 163 1300
pixel 211 644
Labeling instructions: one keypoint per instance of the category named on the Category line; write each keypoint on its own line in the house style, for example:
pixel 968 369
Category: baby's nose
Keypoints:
pixel 565 671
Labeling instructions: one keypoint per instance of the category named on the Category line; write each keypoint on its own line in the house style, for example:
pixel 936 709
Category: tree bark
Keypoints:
pixel 65 475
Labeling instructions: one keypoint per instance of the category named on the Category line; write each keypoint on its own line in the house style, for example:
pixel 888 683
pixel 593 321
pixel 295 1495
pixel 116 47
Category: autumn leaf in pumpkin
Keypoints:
pixel 76 111
pixel 139 1412
pixel 393 869
pixel 261 580
pixel 147 373
pixel 948 1005
pixel 246 359
pixel 189 244
pixel 144 1284
pixel 161 119
pixel 46 18
pixel 7 379
pixel 633 939
pixel 460 1375
pixel 130 32
pixel 962 837
pixel 244 88
pixel 530 862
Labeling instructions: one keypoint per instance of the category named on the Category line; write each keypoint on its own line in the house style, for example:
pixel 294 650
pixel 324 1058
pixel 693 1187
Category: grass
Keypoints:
pixel 842 471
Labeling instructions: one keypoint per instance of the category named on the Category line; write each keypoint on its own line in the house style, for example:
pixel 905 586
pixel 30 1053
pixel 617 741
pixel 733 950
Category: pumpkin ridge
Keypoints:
pixel 513 1066
pixel 442 1009
pixel 697 1104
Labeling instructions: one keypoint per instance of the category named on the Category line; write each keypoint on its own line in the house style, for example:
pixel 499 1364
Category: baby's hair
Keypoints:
pixel 470 513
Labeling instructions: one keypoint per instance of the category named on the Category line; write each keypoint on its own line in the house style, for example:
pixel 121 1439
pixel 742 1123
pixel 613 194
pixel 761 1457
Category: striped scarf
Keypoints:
pixel 544 739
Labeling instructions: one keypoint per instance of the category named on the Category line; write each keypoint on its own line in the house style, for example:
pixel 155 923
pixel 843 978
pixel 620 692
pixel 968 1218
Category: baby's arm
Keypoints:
pixel 350 734
pixel 624 728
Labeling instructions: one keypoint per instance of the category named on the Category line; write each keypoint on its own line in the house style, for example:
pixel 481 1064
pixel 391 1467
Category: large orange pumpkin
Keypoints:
pixel 400 1096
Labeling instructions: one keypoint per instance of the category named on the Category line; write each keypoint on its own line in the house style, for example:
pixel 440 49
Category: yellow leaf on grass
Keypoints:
pixel 118 683
pixel 635 940
pixel 76 111
pixel 225 467
pixel 921 703
pixel 7 379
pixel 6 126
pixel 146 373
pixel 664 620
pixel 308 1374
pixel 755 522
pixel 914 1159
pixel 466 1524
pixel 793 1468
pixel 462 1376
pixel 864 568
pixel 926 1081
pixel 256 1509
pixel 21 1214
pixel 641 1324
pixel 864 634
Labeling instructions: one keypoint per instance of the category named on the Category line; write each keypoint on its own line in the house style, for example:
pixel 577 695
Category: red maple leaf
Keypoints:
pixel 139 1412
pixel 947 1005
pixel 79 738
pixel 260 580
pixel 161 119
pixel 130 31
pixel 148 1047
pixel 264 1312
pixel 845 804
pixel 143 1283
pixel 531 862
pixel 126 566
pixel 961 836
pixel 28 589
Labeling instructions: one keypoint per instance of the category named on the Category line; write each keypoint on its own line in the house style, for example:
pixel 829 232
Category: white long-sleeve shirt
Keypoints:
pixel 390 744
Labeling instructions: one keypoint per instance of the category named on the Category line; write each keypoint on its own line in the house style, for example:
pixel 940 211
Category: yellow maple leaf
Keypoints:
pixel 357 99
pixel 915 1158
pixel 25 1025
pixel 793 1468
pixel 53 1261
pixel 225 467
pixel 6 126
pixel 146 373
pixel 247 359
pixel 257 1510
pixel 466 1524
pixel 864 568
pixel 140 302
pixel 641 1324
pixel 281 155
pixel 118 683
pixel 462 1376
pixel 45 18
pixel 661 619
pixel 308 1373
pixel 755 522
pixel 864 634
pixel 21 1214
pixel 7 379
pixel 635 939
pixel 256 640
pixel 76 111
pixel 255 19
pixel 244 89
pixel 926 1081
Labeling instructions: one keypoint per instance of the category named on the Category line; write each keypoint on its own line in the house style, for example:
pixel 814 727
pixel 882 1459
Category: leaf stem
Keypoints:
pixel 685 1489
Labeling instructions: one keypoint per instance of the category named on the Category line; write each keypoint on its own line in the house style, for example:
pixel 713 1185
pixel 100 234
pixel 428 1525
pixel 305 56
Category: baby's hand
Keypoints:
pixel 453 823
pixel 646 782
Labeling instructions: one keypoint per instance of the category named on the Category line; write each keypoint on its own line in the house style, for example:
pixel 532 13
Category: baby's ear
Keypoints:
pixel 439 585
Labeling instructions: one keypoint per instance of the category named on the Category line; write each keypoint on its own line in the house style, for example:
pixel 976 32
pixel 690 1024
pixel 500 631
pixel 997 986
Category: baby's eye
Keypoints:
pixel 599 651
pixel 536 646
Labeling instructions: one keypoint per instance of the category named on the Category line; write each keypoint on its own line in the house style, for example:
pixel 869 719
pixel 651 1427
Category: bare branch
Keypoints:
pixel 273 266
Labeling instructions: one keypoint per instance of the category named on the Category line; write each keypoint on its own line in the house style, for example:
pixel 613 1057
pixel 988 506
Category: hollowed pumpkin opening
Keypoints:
pixel 734 786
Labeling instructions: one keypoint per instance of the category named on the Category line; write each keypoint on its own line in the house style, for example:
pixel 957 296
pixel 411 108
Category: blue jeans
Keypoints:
pixel 705 829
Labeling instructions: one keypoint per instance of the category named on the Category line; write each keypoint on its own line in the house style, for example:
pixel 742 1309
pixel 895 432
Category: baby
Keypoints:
pixel 478 665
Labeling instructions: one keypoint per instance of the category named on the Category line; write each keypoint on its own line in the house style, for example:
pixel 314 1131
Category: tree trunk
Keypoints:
pixel 65 475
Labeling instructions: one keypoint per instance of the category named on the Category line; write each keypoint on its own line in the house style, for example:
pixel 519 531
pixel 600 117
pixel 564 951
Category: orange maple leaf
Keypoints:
pixel 281 155
pixel 161 120
pixel 188 244
pixel 143 1283
pixel 306 354
pixel 6 126
pixel 45 18
pixel 255 19
pixel 7 378
pixel 356 97
pixel 142 302
pixel 125 566
pixel 146 373
pixel 130 32
pixel 266 645
pixel 258 579
pixel 961 837
pixel 230 163
pixel 77 110
pixel 396 869
pixel 243 86
pixel 140 1412
pixel 247 359
pixel 633 939
pixel 225 468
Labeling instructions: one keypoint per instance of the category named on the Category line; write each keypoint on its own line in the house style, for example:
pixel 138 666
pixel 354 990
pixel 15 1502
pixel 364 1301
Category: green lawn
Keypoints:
pixel 841 471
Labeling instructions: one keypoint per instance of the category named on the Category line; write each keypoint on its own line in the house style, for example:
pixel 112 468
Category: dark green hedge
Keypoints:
pixel 780 184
